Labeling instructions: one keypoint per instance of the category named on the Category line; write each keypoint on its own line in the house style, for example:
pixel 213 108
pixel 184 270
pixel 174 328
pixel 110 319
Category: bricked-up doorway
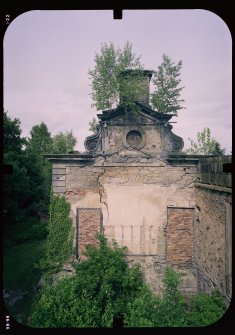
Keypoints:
pixel 180 236
pixel 89 223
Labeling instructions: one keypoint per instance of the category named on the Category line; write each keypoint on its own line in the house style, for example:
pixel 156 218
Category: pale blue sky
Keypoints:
pixel 47 54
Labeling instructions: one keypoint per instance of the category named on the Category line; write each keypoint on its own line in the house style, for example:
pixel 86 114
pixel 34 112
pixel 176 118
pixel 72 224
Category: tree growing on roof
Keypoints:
pixel 166 80
pixel 106 82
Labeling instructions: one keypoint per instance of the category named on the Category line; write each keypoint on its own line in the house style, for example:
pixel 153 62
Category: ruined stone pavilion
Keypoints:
pixel 135 185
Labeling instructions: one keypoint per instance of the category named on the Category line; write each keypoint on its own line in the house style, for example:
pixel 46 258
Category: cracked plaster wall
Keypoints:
pixel 133 198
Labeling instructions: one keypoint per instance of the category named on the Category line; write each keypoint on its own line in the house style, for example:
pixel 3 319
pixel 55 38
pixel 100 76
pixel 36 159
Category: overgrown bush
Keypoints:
pixel 170 310
pixel 105 287
pixel 100 291
pixel 149 310
pixel 142 312
pixel 205 309
pixel 61 307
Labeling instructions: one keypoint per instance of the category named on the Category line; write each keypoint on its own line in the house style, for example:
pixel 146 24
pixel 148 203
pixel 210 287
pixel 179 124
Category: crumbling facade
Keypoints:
pixel 135 185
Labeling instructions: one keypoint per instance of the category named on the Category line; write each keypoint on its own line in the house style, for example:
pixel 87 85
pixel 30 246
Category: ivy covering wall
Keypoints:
pixel 59 245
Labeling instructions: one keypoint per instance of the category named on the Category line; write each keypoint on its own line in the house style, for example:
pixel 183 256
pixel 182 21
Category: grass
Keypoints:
pixel 20 276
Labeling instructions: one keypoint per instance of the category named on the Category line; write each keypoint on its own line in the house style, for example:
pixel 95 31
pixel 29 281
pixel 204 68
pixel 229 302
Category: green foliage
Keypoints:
pixel 143 311
pixel 166 97
pixel 29 230
pixel 40 141
pixel 205 309
pixel 20 275
pixel 150 310
pixel 101 289
pixel 92 125
pixel 63 143
pixel 21 188
pixel 107 84
pixel 19 271
pixel 27 189
pixel 170 310
pixel 107 277
pixel 12 140
pixel 61 307
pixel 131 88
pixel 60 233
pixel 105 287
pixel 205 145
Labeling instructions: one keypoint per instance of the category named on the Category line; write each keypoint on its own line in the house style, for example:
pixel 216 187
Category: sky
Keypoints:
pixel 47 55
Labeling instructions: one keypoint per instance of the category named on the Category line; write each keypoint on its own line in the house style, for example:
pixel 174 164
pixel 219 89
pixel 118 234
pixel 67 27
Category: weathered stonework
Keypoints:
pixel 132 184
pixel 136 186
pixel 210 240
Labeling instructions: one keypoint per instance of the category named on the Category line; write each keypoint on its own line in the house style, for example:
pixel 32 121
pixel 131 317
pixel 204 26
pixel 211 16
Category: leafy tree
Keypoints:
pixel 12 140
pixel 92 125
pixel 205 145
pixel 40 141
pixel 100 291
pixel 107 84
pixel 166 97
pixel 63 143
pixel 20 187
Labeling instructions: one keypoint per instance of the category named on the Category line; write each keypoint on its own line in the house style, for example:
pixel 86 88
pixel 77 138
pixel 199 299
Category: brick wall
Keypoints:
pixel 180 237
pixel 88 225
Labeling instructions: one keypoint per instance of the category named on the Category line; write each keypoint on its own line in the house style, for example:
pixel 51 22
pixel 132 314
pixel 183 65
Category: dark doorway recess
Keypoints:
pixel 118 322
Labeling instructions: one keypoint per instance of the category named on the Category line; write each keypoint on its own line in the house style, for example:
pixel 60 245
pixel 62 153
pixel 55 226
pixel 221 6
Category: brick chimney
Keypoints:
pixel 145 76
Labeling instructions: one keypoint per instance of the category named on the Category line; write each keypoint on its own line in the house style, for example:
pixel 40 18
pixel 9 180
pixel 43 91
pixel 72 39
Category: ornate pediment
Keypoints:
pixel 141 129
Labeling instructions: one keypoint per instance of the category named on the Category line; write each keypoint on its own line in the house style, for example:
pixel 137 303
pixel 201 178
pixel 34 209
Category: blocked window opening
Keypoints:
pixel 180 236
pixel 89 223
